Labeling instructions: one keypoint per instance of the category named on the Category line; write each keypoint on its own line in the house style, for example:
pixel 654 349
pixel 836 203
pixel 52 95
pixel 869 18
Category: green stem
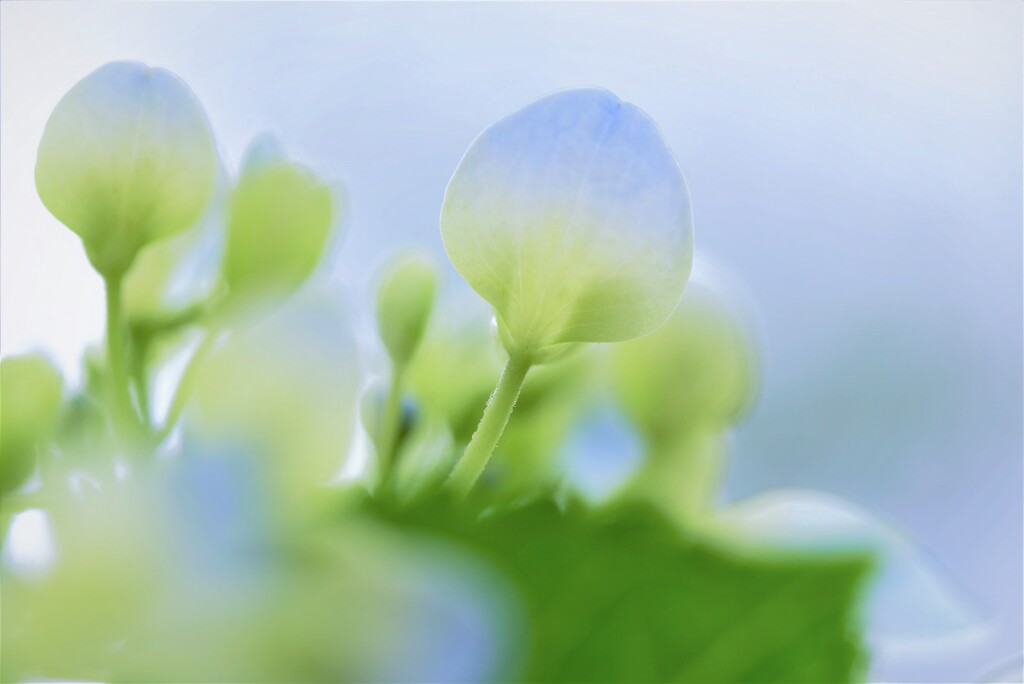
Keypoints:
pixel 492 425
pixel 140 376
pixel 389 425
pixel 188 378
pixel 680 474
pixel 125 420
pixel 154 326
pixel 143 332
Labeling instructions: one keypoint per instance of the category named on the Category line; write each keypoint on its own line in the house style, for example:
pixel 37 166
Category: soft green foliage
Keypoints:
pixel 127 157
pixel 30 395
pixel 280 220
pixel 233 539
pixel 404 301
pixel 622 596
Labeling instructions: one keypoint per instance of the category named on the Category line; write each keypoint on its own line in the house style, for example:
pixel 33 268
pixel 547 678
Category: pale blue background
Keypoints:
pixel 857 166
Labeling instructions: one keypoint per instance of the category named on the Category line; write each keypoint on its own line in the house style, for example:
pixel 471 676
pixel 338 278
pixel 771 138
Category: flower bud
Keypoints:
pixel 404 301
pixel 29 401
pixel 572 219
pixel 127 157
pixel 697 370
pixel 280 219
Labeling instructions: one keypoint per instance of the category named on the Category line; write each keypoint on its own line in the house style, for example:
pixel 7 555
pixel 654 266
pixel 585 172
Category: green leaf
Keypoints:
pixel 624 596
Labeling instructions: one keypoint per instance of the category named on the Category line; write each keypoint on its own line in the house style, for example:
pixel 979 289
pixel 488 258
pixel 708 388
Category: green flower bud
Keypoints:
pixel 696 370
pixel 30 395
pixel 127 157
pixel 280 219
pixel 404 301
pixel 682 387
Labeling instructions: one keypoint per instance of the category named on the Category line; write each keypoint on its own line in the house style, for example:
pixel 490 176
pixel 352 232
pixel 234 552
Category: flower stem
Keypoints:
pixel 492 425
pixel 125 420
pixel 140 377
pixel 389 424
pixel 188 378
pixel 680 475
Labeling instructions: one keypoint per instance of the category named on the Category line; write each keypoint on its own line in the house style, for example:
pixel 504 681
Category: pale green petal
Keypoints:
pixel 572 219
pixel 126 157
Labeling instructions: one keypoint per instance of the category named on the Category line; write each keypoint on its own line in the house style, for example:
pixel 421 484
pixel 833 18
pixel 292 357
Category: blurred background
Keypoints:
pixel 855 167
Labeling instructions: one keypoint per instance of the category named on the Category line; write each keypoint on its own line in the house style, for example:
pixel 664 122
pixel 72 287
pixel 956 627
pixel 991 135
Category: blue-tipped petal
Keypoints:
pixel 127 157
pixel 571 217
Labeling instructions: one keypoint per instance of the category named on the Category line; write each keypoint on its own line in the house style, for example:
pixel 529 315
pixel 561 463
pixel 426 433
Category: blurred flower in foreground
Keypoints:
pixel 29 401
pixel 909 603
pixel 367 605
pixel 284 390
pixel 110 558
pixel 572 219
pixel 127 157
pixel 279 224
pixel 178 571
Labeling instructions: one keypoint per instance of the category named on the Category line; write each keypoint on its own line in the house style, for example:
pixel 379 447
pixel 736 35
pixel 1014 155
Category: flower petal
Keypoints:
pixel 572 219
